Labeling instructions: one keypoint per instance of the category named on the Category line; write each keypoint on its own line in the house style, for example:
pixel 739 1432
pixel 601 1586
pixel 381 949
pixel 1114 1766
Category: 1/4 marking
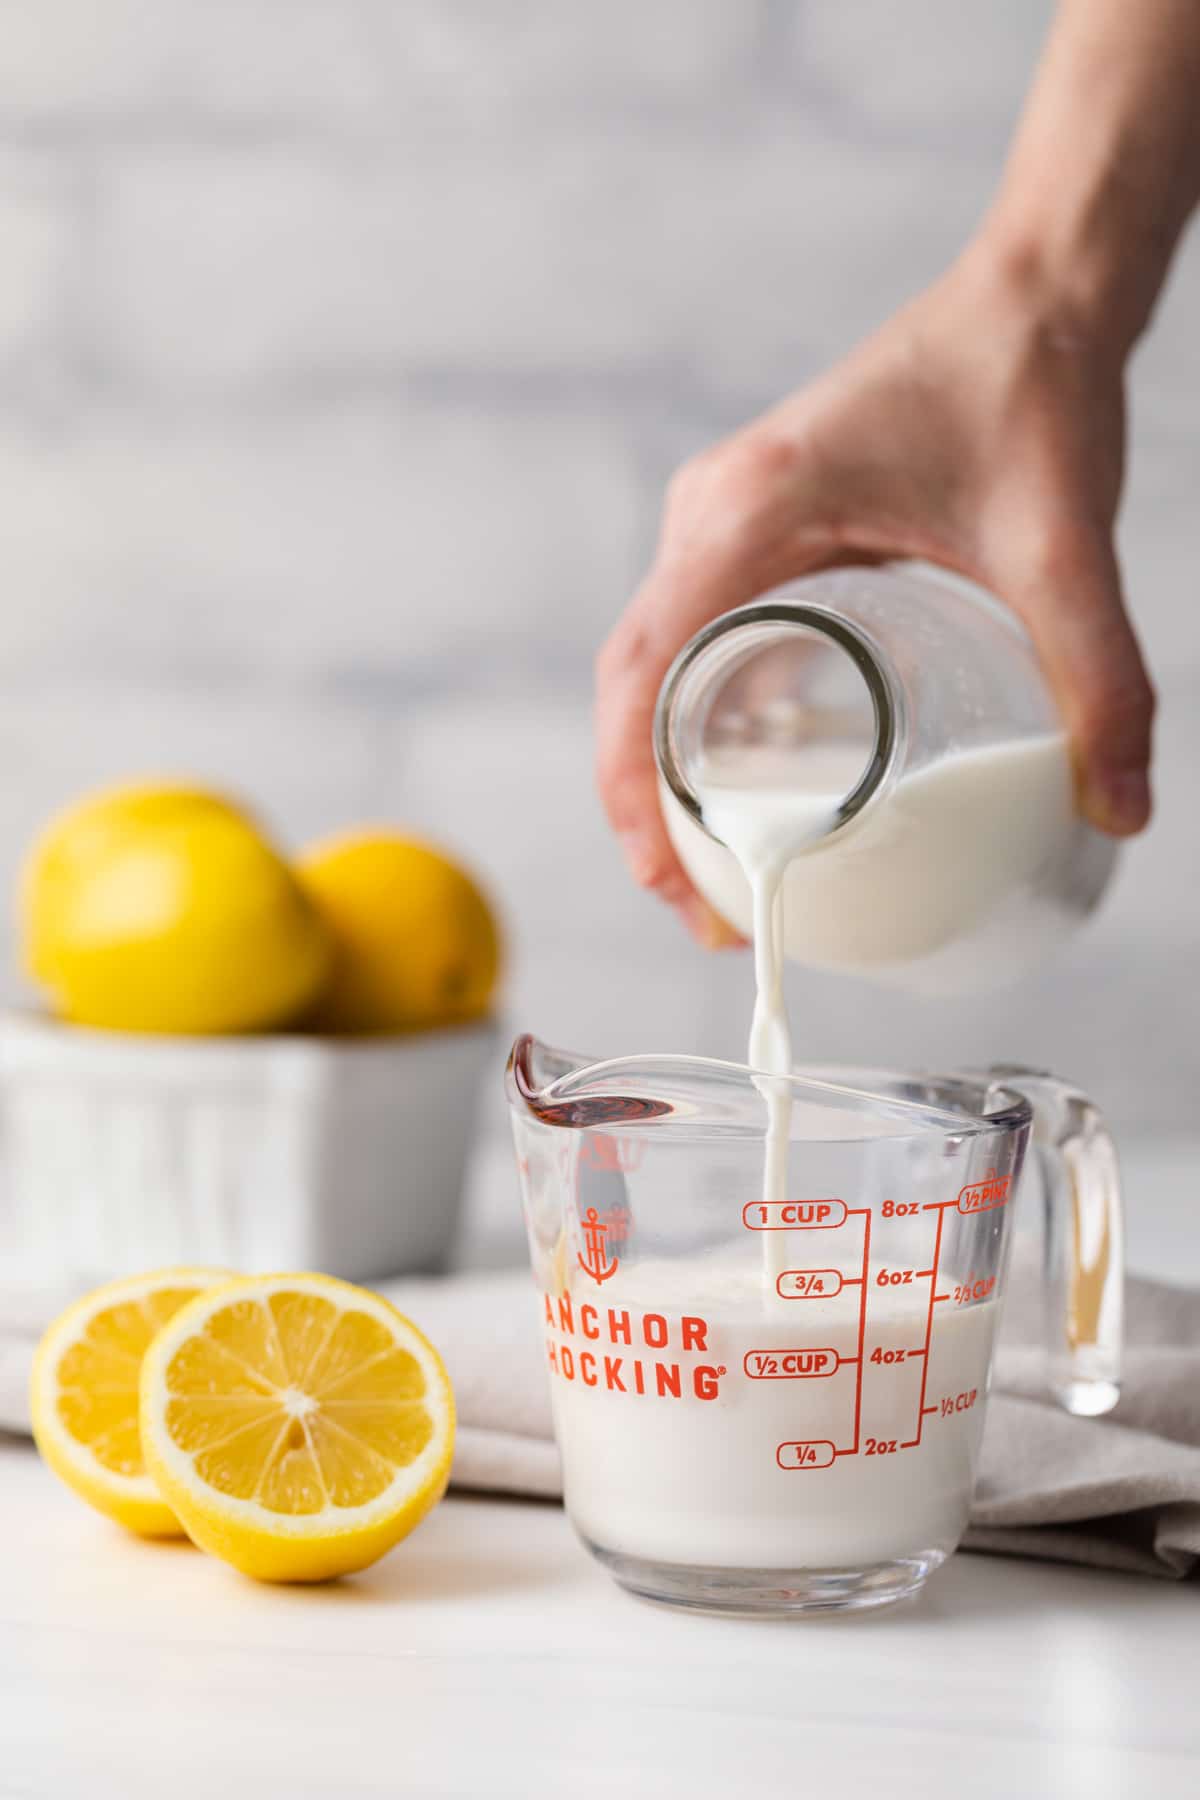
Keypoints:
pixel 816 1453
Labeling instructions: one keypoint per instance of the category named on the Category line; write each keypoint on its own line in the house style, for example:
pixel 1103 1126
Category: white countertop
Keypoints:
pixel 489 1657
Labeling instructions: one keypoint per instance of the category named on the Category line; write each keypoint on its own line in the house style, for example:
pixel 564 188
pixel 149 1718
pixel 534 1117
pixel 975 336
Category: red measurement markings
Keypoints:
pixel 612 1154
pixel 790 1365
pixel 981 1196
pixel 793 1215
pixel 956 1403
pixel 934 1297
pixel 973 1289
pixel 860 1281
pixel 900 1209
pixel 815 1453
pixel 809 1284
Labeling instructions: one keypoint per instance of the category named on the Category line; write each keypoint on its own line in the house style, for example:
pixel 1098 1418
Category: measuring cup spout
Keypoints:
pixel 559 1088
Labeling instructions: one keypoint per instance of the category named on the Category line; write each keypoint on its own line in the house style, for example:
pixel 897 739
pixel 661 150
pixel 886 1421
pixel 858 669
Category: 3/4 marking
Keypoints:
pixel 808 1284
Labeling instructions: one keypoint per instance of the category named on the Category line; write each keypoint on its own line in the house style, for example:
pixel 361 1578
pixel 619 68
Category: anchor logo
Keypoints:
pixel 596 1263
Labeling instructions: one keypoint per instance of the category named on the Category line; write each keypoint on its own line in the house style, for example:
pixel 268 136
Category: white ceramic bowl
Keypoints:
pixel 120 1152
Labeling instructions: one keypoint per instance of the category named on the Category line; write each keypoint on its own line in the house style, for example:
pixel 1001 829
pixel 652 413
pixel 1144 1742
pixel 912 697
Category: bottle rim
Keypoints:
pixel 855 643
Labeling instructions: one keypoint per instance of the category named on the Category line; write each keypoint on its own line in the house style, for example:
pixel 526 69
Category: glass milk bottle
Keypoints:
pixel 904 710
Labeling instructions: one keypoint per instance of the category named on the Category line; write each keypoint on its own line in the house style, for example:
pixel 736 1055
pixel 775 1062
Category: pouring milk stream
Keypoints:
pixel 977 811
pixel 767 822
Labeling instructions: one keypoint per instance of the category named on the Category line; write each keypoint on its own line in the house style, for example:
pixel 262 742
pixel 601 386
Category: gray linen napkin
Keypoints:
pixel 1121 1492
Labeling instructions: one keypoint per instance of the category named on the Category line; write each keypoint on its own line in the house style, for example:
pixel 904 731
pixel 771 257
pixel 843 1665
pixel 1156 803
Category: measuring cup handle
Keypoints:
pixel 1083 1242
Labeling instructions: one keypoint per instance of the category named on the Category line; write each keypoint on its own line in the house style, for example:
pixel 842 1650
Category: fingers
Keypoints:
pixel 721 513
pixel 1076 615
pixel 629 672
pixel 738 520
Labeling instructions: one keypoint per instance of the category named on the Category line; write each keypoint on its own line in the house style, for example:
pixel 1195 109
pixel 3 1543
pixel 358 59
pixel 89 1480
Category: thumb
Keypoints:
pixel 1076 616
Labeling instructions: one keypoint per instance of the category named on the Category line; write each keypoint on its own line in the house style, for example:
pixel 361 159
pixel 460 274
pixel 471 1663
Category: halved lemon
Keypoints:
pixel 84 1394
pixel 297 1425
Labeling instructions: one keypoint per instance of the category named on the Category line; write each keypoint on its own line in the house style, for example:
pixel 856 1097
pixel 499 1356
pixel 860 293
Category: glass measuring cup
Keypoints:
pixel 913 705
pixel 777 1406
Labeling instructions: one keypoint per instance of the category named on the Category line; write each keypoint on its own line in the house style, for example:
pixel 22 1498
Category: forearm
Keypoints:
pixel 1105 168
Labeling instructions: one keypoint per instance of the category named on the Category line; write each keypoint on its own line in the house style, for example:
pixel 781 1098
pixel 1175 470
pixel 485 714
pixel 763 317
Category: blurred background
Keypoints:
pixel 345 349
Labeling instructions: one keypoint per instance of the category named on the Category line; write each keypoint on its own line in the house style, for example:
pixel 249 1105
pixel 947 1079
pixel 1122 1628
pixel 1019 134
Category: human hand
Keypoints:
pixel 982 428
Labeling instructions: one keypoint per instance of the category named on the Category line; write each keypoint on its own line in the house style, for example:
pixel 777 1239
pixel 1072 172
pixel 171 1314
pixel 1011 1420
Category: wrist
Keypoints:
pixel 1068 277
pixel 1104 169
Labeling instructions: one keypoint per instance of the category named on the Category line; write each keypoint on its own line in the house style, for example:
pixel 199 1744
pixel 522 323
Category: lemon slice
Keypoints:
pixel 297 1425
pixel 84 1393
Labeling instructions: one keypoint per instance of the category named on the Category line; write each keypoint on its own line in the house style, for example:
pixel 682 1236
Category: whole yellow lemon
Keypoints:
pixel 415 944
pixel 166 909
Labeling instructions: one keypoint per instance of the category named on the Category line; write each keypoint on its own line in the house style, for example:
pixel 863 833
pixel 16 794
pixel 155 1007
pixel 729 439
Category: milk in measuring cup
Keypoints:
pixel 841 1436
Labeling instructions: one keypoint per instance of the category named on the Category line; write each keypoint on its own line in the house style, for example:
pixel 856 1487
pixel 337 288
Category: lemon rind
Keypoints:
pixel 55 1442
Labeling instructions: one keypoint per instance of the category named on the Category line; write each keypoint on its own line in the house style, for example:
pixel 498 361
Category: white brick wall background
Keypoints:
pixel 345 346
